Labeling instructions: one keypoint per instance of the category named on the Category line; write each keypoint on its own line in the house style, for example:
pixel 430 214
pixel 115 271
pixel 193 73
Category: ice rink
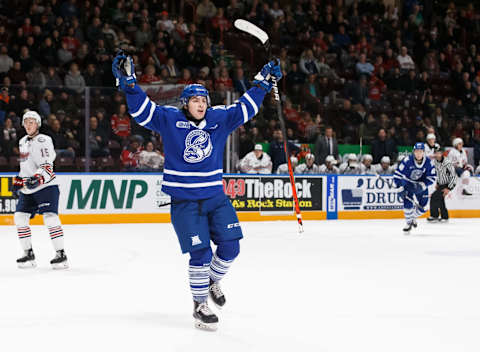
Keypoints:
pixel 341 286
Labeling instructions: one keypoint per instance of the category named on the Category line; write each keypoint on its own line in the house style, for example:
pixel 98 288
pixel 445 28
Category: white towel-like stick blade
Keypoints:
pixel 250 28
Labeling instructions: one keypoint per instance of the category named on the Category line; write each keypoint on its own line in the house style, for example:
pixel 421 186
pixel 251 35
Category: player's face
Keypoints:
pixel 31 126
pixel 459 146
pixel 310 162
pixel 258 153
pixel 197 107
pixel 418 153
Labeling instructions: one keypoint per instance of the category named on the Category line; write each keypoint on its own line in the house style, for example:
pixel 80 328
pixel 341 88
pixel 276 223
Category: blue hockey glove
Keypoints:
pixel 269 71
pixel 419 187
pixel 124 71
pixel 17 186
pixel 34 181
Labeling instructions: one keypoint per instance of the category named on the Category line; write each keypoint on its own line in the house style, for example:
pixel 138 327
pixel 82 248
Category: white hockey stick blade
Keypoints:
pixel 252 29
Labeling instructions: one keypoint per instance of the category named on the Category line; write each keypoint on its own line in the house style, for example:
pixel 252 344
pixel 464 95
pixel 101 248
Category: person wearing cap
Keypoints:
pixel 414 175
pixel 283 168
pixel 459 158
pixel 351 166
pixel 329 166
pixel 309 167
pixel 37 192
pixel 384 167
pixel 446 181
pixel 256 162
pixel 366 167
pixel 430 146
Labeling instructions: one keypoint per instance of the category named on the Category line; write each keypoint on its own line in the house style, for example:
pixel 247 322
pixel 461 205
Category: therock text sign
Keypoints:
pixel 270 193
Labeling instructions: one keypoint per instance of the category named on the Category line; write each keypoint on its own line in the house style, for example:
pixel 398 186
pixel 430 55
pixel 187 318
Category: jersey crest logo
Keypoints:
pixel 416 174
pixel 198 146
pixel 41 139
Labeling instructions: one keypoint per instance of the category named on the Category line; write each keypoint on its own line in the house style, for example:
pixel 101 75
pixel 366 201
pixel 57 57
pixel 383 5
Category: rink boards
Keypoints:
pixel 138 198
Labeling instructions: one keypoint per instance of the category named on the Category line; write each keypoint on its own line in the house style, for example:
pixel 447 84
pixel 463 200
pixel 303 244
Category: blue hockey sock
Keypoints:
pixel 199 282
pixel 223 258
pixel 409 214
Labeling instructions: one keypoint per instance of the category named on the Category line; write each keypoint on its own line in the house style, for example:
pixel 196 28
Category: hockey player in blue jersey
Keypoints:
pixel 194 138
pixel 414 174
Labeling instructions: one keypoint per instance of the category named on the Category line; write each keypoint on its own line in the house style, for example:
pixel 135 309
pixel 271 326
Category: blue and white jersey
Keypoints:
pixel 193 154
pixel 409 171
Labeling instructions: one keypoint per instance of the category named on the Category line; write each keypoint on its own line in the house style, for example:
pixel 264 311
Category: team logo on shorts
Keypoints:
pixel 416 174
pixel 196 240
pixel 198 146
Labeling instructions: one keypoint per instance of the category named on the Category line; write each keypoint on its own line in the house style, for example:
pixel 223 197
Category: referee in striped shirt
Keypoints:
pixel 446 181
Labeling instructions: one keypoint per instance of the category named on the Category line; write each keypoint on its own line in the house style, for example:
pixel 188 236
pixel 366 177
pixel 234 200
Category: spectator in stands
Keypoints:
pixel 256 162
pixel 53 79
pixel 6 62
pixel 311 93
pixel 357 91
pixel 363 67
pixel 186 77
pixel 308 63
pixel 44 108
pixel 329 166
pixel 60 142
pixel 9 137
pixel 383 146
pixel 17 74
pixel 74 79
pixel 121 125
pixel 342 39
pixel 172 69
pixel 92 77
pixel 97 139
pixel 149 76
pixel 326 145
pixel 405 61
pixel 130 155
pixel 295 79
pixel 150 159
pixel 240 83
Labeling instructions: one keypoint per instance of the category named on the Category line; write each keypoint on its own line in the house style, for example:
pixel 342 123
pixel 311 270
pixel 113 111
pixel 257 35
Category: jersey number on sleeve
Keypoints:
pixel 44 152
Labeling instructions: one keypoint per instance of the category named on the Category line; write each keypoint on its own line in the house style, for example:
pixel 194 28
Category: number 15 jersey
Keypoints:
pixel 37 155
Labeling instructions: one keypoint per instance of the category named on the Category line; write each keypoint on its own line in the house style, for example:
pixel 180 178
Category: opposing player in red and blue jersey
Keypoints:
pixel 194 138
pixel 414 174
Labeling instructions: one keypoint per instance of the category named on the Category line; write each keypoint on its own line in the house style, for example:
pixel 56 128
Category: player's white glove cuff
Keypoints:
pixel 400 189
pixel 422 184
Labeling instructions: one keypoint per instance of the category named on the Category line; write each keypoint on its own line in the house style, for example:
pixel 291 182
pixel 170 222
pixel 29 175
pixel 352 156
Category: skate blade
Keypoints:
pixel 27 265
pixel 204 326
pixel 60 266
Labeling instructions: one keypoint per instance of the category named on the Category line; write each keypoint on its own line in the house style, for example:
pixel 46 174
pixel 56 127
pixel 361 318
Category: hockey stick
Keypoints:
pixel 258 33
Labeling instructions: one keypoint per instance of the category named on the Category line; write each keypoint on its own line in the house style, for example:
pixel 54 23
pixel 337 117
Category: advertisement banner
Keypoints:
pixel 273 193
pixel 367 193
pixel 332 207
pixel 8 204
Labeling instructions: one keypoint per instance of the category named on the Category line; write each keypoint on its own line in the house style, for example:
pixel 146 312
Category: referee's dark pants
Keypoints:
pixel 437 202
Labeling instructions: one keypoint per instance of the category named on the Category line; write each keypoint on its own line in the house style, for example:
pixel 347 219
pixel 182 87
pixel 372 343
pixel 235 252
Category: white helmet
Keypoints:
pixel 367 157
pixel 310 156
pixel 385 159
pixel 30 114
pixel 330 159
pixel 431 136
pixel 352 157
pixel 293 160
pixel 457 141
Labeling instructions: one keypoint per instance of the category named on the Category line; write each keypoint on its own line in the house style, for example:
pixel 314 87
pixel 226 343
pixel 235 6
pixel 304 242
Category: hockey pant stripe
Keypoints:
pixel 219 267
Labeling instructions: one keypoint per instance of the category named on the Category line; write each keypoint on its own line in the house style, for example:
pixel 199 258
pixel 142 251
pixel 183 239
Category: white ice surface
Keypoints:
pixel 341 286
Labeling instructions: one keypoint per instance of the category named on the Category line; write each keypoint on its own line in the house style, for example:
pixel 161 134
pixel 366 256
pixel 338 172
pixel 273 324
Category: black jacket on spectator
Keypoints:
pixel 322 150
pixel 277 153
pixel 382 148
pixel 59 140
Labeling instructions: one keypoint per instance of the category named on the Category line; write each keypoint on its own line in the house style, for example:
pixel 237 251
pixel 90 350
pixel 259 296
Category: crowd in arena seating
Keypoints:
pixel 357 73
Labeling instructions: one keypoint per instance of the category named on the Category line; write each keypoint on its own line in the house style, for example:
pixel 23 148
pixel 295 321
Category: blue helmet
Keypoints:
pixel 419 145
pixel 194 90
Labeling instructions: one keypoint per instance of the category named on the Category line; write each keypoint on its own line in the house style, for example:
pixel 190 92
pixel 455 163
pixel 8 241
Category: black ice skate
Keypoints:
pixel 27 261
pixel 466 193
pixel 408 227
pixel 205 319
pixel 216 294
pixel 433 219
pixel 443 220
pixel 60 260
